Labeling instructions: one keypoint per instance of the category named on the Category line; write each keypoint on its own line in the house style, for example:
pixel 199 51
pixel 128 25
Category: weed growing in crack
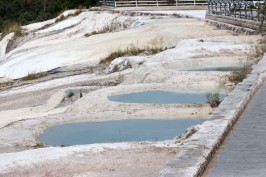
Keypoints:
pixel 213 99
pixel 239 76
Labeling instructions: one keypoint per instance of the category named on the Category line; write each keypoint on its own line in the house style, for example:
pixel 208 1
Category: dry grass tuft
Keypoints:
pixel 34 75
pixel 13 27
pixel 239 76
pixel 62 17
pixel 108 28
pixel 132 50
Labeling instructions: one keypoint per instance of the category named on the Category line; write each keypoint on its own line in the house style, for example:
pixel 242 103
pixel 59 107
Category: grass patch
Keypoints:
pixel 71 94
pixel 108 28
pixel 259 50
pixel 63 17
pixel 132 50
pixel 34 75
pixel 239 76
pixel 59 19
pixel 213 99
pixel 12 27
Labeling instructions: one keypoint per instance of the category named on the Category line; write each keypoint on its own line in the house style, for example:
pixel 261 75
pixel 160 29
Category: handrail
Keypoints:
pixel 137 3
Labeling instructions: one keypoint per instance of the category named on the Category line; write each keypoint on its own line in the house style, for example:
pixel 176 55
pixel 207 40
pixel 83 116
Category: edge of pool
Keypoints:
pixel 197 151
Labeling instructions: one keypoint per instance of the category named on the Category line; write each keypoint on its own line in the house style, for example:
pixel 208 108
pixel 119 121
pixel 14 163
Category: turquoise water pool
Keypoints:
pixel 161 97
pixel 115 131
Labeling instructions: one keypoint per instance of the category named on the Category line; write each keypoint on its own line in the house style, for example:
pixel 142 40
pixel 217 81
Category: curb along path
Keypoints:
pixel 244 151
pixel 198 149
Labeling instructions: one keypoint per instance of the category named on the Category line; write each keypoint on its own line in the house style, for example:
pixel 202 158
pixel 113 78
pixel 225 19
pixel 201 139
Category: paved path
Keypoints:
pixel 243 154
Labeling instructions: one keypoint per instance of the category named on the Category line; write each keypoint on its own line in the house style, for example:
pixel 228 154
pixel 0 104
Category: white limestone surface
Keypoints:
pixel 64 44
pixel 3 44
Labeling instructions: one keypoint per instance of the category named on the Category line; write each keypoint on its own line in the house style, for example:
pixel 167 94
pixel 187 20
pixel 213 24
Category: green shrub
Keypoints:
pixel 213 99
pixel 71 94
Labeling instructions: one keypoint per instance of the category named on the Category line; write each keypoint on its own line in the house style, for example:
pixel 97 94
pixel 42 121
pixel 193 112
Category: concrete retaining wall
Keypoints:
pixel 242 24
pixel 199 148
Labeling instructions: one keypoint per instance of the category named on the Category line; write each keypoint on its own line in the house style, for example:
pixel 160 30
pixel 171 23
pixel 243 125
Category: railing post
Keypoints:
pixel 115 3
pixel 240 13
pixel 136 3
pixel 246 14
pixel 209 6
pixel 194 2
pixel 251 11
pixel 175 2
pixel 157 3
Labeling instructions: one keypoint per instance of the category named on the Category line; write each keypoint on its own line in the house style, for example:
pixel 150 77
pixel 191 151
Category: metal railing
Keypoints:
pixel 143 3
pixel 251 10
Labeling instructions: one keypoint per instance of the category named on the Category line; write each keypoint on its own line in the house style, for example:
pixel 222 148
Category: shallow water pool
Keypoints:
pixel 161 97
pixel 115 131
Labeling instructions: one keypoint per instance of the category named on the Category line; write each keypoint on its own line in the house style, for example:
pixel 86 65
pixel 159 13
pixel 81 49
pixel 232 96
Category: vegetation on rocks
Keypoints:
pixel 213 99
pixel 259 49
pixel 132 50
pixel 239 76
pixel 12 27
pixel 34 75
pixel 106 29
pixel 62 17
pixel 71 94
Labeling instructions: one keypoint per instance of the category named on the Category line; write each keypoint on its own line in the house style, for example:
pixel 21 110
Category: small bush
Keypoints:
pixel 71 94
pixel 213 99
pixel 239 76
pixel 33 76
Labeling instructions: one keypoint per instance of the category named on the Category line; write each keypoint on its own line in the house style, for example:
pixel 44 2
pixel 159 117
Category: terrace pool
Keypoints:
pixel 116 131
pixel 161 97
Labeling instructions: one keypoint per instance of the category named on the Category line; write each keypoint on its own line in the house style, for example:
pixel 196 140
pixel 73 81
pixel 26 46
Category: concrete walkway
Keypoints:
pixel 243 154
